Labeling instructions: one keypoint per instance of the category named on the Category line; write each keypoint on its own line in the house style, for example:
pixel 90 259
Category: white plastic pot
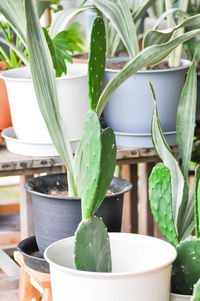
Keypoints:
pixel 141 271
pixel 130 108
pixel 27 120
pixel 176 297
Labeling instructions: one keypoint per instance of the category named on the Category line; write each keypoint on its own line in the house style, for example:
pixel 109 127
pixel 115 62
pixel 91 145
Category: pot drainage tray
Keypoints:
pixel 135 140
pixel 32 256
pixel 20 147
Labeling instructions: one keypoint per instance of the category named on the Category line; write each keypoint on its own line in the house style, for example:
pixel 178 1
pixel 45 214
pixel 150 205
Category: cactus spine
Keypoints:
pixel 92 245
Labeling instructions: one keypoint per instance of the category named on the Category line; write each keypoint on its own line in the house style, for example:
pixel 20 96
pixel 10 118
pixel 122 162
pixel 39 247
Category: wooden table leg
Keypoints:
pixel 27 292
pixel 26 210
pixel 146 224
pixel 130 210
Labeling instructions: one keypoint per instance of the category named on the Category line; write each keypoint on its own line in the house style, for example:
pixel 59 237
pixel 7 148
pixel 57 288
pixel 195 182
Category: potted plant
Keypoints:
pixel 66 211
pixel 61 46
pixel 96 164
pixel 125 107
pixel 171 203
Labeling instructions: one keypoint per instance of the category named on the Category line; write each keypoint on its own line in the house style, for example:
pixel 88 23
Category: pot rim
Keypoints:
pixel 32 191
pixel 9 75
pixel 180 295
pixel 100 275
pixel 185 65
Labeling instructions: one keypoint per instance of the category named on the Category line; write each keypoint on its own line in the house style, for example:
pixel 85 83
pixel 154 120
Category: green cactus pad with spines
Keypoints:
pixel 196 291
pixel 92 246
pixel 108 163
pixel 96 65
pixel 197 201
pixel 160 196
pixel 186 267
pixel 91 162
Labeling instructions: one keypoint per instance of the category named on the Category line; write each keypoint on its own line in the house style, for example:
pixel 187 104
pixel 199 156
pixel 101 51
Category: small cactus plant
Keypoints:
pixel 92 246
pixel 196 292
pixel 172 207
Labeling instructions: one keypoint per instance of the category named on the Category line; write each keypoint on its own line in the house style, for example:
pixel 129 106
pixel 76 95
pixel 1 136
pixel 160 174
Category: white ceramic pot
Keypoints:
pixel 27 120
pixel 141 271
pixel 176 297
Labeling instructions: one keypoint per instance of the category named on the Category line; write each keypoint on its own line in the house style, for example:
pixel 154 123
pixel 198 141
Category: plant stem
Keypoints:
pixel 168 6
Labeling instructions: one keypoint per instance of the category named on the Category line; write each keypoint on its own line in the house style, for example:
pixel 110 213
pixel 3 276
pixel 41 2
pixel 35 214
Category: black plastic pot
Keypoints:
pixel 57 217
pixel 32 256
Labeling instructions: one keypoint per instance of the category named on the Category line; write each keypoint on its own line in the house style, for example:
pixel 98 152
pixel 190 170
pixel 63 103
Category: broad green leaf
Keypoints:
pixel 166 155
pixel 45 86
pixel 156 37
pixel 17 50
pixel 62 19
pixel 142 10
pixel 197 201
pixel 59 49
pixel 147 57
pixel 121 19
pixel 13 11
pixel 186 116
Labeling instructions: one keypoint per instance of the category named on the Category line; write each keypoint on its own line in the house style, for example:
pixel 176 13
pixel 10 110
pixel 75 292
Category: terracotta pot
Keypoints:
pixel 5 118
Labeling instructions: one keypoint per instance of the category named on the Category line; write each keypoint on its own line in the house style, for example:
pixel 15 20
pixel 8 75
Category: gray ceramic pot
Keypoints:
pixel 57 217
pixel 129 110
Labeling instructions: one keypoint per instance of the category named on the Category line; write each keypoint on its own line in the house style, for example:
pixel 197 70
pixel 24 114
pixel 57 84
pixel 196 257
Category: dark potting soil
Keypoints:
pixel 121 65
pixel 55 191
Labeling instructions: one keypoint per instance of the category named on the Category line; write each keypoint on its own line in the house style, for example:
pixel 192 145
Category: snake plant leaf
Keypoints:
pixel 186 116
pixel 17 50
pixel 41 6
pixel 140 12
pixel 197 201
pixel 97 61
pixel 168 12
pixel 156 37
pixel 62 19
pixel 13 11
pixel 121 19
pixel 188 223
pixel 166 155
pixel 45 86
pixel 147 57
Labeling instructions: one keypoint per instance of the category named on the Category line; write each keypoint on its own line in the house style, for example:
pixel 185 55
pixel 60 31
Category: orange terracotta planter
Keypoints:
pixel 5 118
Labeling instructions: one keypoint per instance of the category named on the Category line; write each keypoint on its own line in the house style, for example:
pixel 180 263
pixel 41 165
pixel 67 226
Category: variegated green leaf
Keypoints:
pixel 166 155
pixel 147 57
pixel 62 19
pixel 156 37
pixel 17 50
pixel 197 201
pixel 186 116
pixel 121 19
pixel 13 11
pixel 45 87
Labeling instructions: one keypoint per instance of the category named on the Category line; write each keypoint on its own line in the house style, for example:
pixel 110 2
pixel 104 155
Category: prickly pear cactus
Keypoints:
pixel 108 163
pixel 185 269
pixel 96 63
pixel 161 201
pixel 91 162
pixel 92 246
pixel 196 291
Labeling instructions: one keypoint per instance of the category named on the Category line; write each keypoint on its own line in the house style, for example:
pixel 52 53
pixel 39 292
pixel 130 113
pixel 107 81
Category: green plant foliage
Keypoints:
pixel 196 292
pixel 186 270
pixel 97 53
pixel 161 201
pixel 92 246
